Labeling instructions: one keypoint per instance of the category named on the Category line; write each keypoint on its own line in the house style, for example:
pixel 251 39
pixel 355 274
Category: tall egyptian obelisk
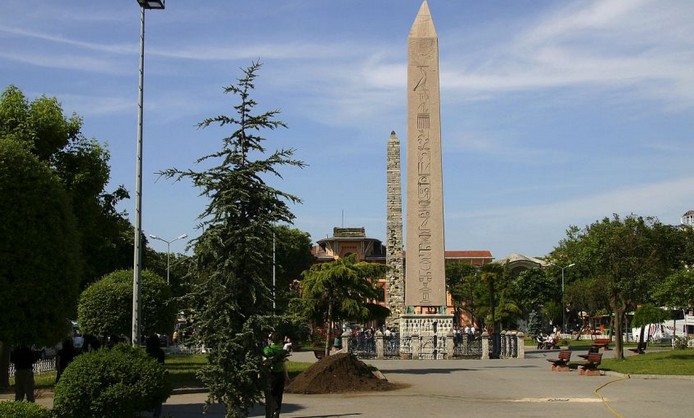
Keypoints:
pixel 425 283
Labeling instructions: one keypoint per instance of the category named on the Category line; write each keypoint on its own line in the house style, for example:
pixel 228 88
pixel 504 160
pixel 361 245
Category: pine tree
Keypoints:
pixel 231 296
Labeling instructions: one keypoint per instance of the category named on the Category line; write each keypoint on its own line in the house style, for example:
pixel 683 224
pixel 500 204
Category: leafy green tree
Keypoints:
pixel 82 164
pixel 647 314
pixel 677 291
pixel 39 124
pixel 105 307
pixel 551 311
pixel 533 288
pixel 106 236
pixel 460 282
pixel 498 304
pixel 535 323
pixel 292 257
pixel 630 255
pixel 340 290
pixel 590 296
pixel 231 295
pixel 39 255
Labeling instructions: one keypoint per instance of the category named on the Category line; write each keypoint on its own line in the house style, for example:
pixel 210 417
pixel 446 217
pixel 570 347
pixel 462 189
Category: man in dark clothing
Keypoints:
pixel 65 356
pixel 275 359
pixel 23 359
pixel 155 351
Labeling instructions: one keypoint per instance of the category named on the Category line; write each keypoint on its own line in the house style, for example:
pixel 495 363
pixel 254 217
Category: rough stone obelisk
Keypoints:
pixel 395 286
pixel 425 283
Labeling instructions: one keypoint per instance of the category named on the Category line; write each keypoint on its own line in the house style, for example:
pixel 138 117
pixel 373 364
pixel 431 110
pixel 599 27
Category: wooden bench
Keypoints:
pixel 589 367
pixel 603 343
pixel 561 364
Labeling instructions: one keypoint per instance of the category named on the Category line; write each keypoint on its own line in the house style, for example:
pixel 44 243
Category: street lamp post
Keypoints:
pixel 168 249
pixel 137 262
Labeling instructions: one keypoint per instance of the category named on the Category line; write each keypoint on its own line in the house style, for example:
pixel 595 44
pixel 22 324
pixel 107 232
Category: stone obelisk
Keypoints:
pixel 395 286
pixel 425 283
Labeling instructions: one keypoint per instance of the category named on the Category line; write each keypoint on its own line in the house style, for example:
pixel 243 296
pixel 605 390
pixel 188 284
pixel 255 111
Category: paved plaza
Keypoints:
pixel 478 388
pixel 483 388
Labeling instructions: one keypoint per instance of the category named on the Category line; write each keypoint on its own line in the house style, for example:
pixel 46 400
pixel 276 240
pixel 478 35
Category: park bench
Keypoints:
pixel 603 343
pixel 589 367
pixel 561 364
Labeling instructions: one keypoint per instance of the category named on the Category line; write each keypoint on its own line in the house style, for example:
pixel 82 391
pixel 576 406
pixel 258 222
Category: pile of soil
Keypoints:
pixel 336 374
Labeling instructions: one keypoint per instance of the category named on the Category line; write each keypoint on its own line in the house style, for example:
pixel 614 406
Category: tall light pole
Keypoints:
pixel 137 262
pixel 274 277
pixel 168 250
pixel 563 305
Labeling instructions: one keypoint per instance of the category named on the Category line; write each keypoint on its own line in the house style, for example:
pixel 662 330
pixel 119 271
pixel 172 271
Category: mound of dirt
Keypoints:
pixel 336 374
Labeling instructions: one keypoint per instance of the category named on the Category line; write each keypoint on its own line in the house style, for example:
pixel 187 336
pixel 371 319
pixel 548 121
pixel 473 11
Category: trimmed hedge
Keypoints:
pixel 12 409
pixel 105 307
pixel 113 383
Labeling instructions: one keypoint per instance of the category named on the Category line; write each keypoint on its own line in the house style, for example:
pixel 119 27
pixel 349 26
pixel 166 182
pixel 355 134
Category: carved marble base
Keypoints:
pixel 426 336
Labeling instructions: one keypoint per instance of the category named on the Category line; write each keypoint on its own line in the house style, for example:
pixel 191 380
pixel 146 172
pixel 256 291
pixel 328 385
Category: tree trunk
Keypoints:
pixel 329 331
pixel 4 366
pixel 617 331
pixel 640 345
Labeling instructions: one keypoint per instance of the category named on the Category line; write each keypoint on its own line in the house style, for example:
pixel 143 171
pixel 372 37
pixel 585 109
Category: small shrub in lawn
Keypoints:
pixel 680 343
pixel 115 383
pixel 11 409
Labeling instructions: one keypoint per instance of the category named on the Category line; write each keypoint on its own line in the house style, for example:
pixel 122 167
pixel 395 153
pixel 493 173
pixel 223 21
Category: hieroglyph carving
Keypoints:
pixel 423 186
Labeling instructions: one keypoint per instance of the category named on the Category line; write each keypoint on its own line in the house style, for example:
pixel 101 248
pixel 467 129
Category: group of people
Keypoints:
pixel 469 332
pixel 548 341
pixel 24 358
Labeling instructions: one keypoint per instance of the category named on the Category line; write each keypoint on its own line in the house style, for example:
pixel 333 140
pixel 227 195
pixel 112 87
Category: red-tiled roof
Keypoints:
pixel 468 254
pixel 465 254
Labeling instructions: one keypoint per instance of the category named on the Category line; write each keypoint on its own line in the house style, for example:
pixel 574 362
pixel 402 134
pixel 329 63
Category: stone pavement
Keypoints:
pixel 476 388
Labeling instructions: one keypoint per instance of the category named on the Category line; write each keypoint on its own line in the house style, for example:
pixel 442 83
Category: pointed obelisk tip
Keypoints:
pixel 423 26
pixel 392 133
pixel 424 9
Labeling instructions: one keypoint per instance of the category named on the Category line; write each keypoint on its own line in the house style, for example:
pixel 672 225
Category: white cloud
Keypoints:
pixel 604 44
pixel 113 48
pixel 655 199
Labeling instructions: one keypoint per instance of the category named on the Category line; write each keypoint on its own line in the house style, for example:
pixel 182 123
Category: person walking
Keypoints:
pixel 65 356
pixel 275 358
pixel 23 359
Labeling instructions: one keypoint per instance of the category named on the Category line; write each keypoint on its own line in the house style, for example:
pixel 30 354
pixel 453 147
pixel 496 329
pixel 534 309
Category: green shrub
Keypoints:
pixel 113 383
pixel 680 343
pixel 13 409
pixel 105 307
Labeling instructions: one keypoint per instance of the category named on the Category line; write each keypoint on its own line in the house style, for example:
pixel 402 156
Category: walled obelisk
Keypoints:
pixel 395 285
pixel 425 283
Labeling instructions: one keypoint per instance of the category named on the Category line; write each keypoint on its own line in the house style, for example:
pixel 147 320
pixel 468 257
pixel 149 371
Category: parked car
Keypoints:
pixel 77 337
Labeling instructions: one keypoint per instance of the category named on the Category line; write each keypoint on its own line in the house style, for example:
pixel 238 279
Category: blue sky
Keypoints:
pixel 554 113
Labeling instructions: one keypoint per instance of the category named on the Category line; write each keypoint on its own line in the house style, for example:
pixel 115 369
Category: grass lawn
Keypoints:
pixel 41 381
pixel 182 369
pixel 672 362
